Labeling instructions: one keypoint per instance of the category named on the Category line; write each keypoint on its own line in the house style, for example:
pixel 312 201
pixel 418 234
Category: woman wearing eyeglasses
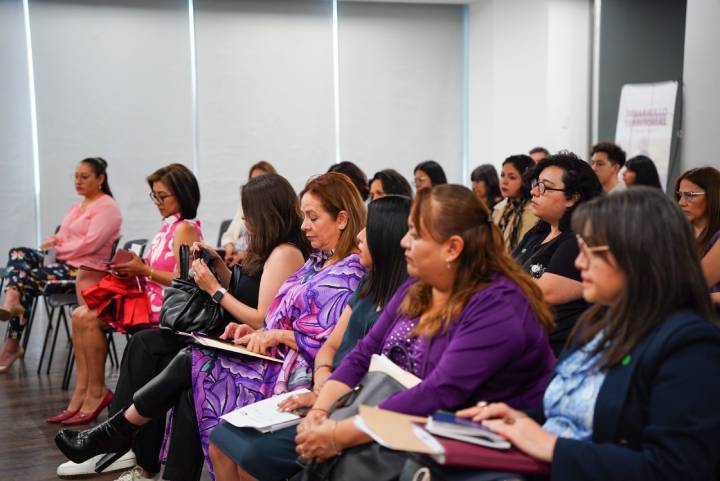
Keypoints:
pixel 698 194
pixel 635 395
pixel 547 252
pixel 176 194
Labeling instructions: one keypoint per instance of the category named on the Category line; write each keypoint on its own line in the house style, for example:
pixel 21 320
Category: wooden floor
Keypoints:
pixel 27 450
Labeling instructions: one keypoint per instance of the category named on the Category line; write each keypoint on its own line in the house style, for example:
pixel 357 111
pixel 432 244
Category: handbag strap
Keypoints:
pixel 184 261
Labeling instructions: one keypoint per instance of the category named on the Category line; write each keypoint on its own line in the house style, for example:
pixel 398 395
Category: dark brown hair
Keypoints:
pixel 99 167
pixel 337 193
pixel 447 210
pixel 183 184
pixel 271 210
pixel 708 179
pixel 263 166
pixel 633 223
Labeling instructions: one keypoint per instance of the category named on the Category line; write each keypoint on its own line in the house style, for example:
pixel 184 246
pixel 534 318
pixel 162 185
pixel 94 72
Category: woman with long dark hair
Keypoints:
pixel 486 185
pixel 428 174
pixel 513 215
pixel 698 194
pixel 388 182
pixel 85 237
pixel 239 453
pixel 641 170
pixel 635 395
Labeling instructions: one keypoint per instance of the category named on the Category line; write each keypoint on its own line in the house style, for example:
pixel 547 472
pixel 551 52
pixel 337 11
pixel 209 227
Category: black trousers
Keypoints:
pixel 173 388
pixel 146 355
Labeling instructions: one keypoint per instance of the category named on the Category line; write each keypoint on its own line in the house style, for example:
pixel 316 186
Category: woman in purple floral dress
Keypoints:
pixel 299 320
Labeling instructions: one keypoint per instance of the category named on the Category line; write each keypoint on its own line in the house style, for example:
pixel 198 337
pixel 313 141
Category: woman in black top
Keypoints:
pixel 276 249
pixel 548 251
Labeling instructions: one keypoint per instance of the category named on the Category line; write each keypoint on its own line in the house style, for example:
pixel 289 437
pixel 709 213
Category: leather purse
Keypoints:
pixel 186 307
pixel 370 462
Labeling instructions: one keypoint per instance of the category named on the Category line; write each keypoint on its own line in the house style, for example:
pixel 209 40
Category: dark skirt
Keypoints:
pixel 265 456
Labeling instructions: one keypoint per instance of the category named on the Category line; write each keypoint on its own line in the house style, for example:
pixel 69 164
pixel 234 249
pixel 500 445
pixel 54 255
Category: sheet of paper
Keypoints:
pixel 262 414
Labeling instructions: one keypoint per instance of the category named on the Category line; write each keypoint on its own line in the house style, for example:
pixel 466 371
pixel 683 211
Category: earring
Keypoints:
pixel 448 264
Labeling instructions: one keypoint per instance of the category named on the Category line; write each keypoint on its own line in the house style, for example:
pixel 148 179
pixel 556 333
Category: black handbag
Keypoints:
pixel 186 307
pixel 368 462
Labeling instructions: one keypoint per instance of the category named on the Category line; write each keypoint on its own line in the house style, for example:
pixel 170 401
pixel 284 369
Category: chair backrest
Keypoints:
pixel 115 244
pixel 223 227
pixel 136 245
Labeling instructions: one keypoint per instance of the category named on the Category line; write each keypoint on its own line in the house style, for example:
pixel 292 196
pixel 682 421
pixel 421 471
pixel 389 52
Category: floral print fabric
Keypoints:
pixel 309 303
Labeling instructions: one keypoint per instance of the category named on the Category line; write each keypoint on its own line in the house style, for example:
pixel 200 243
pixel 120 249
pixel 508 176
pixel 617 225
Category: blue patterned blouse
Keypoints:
pixel 569 401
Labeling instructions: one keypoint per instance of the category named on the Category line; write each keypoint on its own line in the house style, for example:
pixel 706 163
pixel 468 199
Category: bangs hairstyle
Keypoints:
pixel 271 209
pixel 657 285
pixel 182 184
pixel 449 210
pixel 99 167
pixel 386 226
pixel 337 193
pixel 645 171
pixel 708 179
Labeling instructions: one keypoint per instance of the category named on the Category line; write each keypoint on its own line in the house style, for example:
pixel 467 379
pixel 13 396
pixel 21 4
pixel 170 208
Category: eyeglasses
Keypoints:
pixel 541 187
pixel 687 195
pixel 589 252
pixel 159 199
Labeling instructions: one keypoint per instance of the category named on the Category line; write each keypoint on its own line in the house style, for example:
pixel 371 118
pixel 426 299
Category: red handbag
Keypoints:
pixel 120 301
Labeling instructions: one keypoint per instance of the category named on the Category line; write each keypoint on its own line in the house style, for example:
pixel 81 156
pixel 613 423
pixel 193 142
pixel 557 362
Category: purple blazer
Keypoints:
pixel 495 351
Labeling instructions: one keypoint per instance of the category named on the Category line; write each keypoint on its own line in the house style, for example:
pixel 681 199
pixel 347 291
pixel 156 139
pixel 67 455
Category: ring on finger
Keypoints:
pixel 482 404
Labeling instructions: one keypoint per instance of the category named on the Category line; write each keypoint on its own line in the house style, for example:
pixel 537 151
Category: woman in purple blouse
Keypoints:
pixel 471 325
pixel 299 320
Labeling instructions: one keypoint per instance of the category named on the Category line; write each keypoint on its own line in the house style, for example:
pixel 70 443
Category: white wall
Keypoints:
pixel 17 193
pixel 265 92
pixel 401 86
pixel 528 77
pixel 111 81
pixel 701 101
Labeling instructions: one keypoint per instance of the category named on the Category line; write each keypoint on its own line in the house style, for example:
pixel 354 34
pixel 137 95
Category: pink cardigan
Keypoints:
pixel 87 233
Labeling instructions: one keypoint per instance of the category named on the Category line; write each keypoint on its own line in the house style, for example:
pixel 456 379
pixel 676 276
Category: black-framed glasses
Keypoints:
pixel 542 187
pixel 158 198
pixel 687 195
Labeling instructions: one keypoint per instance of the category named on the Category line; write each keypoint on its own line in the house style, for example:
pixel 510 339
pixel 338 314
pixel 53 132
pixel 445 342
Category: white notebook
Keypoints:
pixel 264 415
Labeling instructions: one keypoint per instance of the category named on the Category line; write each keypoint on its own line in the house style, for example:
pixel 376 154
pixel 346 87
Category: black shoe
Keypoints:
pixel 113 436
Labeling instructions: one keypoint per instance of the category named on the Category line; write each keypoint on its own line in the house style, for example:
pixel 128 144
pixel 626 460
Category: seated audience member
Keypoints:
pixel 202 384
pixel 486 185
pixel 560 183
pixel 538 154
pixel 513 215
pixel 698 194
pixel 389 182
pixel 607 160
pixel 276 249
pixel 242 452
pixel 356 175
pixel 635 396
pixel 641 170
pixel 470 324
pixel 234 241
pixel 428 174
pixel 86 237
pixel 176 194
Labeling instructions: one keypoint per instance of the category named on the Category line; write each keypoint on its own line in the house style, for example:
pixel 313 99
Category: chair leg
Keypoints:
pixel 114 349
pixel 61 317
pixel 51 313
pixel 69 366
pixel 28 328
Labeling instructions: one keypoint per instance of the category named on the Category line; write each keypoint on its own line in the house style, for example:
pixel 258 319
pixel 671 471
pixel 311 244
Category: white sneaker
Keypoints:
pixel 136 474
pixel 71 470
